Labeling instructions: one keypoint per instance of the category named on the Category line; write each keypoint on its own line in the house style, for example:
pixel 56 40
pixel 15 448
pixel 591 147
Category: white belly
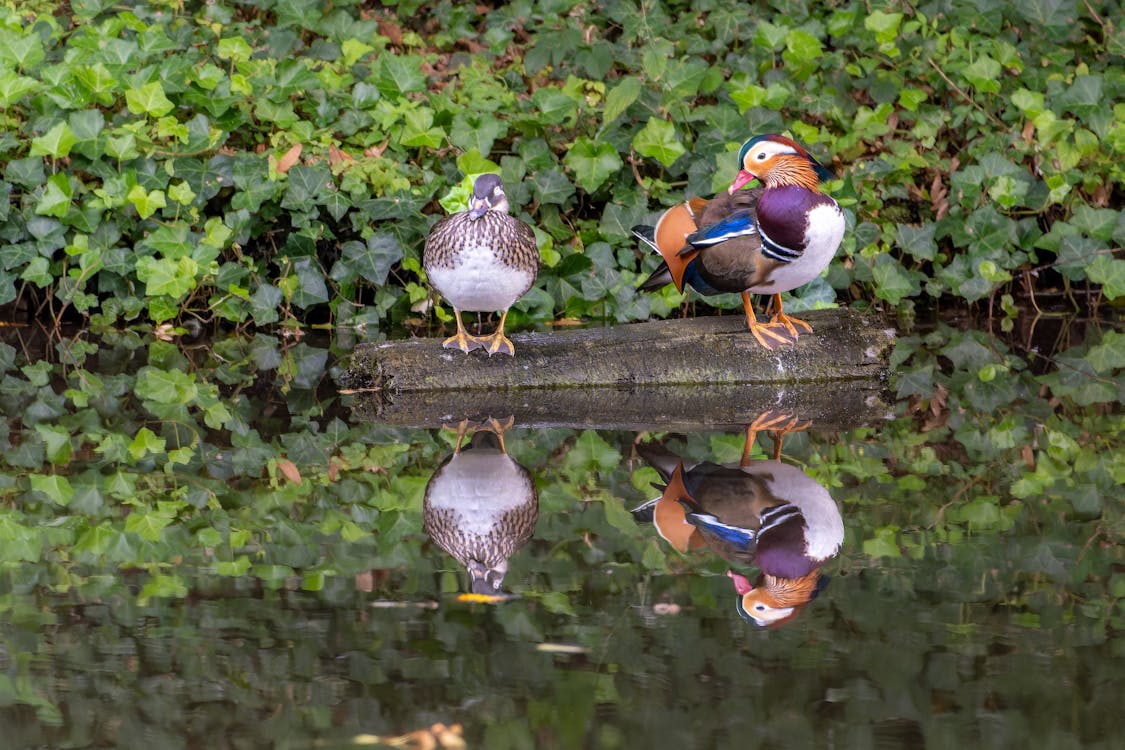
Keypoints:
pixel 479 487
pixel 826 230
pixel 480 283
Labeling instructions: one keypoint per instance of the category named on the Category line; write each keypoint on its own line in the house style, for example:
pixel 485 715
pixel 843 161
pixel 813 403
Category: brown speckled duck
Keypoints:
pixel 480 507
pixel 482 260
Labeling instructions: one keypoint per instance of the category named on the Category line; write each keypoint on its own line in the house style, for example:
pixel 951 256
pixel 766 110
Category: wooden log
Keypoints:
pixel 831 407
pixel 684 374
pixel 844 346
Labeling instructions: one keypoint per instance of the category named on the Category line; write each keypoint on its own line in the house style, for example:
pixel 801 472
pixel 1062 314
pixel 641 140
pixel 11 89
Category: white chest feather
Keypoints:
pixel 825 525
pixel 822 240
pixel 479 282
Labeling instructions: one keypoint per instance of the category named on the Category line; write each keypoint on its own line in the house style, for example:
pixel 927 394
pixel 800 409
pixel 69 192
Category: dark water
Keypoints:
pixel 962 608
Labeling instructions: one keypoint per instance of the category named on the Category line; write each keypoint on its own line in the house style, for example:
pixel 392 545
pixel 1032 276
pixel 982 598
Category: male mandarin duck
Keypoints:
pixel 757 511
pixel 480 507
pixel 482 260
pixel 766 239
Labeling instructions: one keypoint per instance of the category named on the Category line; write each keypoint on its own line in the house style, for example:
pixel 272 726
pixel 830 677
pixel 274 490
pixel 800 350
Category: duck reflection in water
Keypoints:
pixel 481 506
pixel 756 512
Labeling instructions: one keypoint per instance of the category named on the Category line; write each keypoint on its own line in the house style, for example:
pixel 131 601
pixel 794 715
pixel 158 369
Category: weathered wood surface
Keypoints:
pixel 693 351
pixel 834 406
pixel 679 375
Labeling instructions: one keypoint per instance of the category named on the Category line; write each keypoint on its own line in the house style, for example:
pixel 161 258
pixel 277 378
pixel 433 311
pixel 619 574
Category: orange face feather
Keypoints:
pixel 777 160
pixel 775 601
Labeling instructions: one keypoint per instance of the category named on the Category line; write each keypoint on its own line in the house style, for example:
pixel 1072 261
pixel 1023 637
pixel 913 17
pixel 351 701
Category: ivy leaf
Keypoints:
pixel 168 387
pixel 593 162
pixel 396 75
pixel 892 281
pixel 146 202
pixel 1110 273
pixel 1109 354
pixel 145 442
pixel 56 487
pixel 619 98
pixel 1051 14
pixel 172 277
pixel 149 99
pixel 658 140
pixel 374 258
pixel 55 143
pixel 14 87
pixel 918 241
pixel 55 200
pixel 57 443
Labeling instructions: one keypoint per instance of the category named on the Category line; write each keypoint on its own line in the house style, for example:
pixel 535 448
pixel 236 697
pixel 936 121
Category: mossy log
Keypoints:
pixel 698 373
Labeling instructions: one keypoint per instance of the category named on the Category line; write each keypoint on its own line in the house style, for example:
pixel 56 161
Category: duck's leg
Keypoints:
pixel 764 421
pixel 497 342
pixel 461 429
pixel 793 425
pixel 765 333
pixel 462 340
pixel 500 428
pixel 781 319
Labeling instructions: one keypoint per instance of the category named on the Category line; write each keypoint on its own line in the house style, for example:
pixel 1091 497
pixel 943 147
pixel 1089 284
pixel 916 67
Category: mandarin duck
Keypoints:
pixel 482 260
pixel 481 506
pixel 766 239
pixel 758 511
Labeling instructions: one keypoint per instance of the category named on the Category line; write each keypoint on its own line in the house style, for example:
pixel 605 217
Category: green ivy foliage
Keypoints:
pixel 152 174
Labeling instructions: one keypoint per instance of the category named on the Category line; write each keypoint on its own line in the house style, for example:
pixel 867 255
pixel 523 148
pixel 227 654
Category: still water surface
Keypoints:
pixel 910 601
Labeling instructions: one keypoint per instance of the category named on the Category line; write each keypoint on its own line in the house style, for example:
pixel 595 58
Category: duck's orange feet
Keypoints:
pixel 497 342
pixel 788 322
pixel 462 340
pixel 769 335
pixel 775 422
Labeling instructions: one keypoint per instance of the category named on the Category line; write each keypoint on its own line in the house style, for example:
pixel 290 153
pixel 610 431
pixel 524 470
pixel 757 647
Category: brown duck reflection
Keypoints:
pixel 481 506
pixel 756 512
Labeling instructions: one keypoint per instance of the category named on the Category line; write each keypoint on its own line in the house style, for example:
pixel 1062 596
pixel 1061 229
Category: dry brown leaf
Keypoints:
pixel 1028 456
pixel 389 28
pixel 288 159
pixel 289 469
pixel 365 581
pixel 336 155
pixel 374 152
pixel 938 195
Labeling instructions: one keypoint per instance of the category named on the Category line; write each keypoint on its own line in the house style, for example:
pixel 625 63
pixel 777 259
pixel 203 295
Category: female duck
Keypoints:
pixel 482 260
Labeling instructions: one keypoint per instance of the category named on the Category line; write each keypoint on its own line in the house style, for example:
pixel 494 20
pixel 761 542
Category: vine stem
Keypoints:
pixel 963 94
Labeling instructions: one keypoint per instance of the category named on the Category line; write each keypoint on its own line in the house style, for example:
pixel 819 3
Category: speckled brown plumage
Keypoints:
pixel 481 260
pixel 512 242
pixel 480 507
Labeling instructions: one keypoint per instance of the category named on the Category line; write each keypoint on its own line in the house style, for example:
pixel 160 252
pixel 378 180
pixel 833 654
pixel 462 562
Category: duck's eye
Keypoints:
pixel 761 156
pixel 760 607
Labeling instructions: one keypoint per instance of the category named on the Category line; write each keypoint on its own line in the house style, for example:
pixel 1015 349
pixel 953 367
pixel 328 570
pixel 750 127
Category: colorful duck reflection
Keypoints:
pixel 481 506
pixel 756 512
